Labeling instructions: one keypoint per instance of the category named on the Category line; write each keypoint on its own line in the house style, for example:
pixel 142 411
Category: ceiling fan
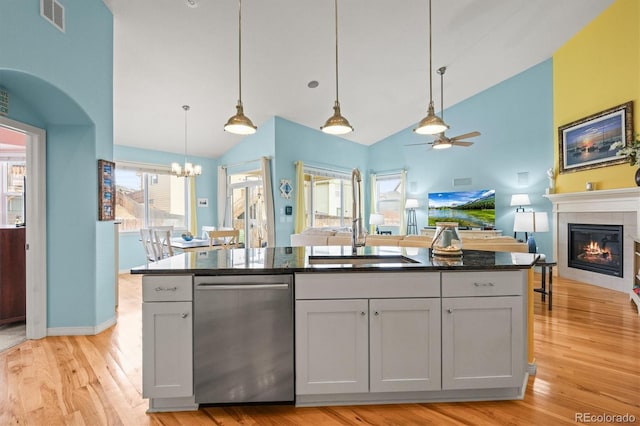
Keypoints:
pixel 441 141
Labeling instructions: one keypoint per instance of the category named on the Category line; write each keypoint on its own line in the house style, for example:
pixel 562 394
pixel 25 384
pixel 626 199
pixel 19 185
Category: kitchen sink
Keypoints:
pixel 358 260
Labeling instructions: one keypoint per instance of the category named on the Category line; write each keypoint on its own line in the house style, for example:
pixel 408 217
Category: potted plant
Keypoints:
pixel 632 154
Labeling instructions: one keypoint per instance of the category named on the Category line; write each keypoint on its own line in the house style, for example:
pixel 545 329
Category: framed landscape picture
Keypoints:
pixel 594 141
pixel 106 190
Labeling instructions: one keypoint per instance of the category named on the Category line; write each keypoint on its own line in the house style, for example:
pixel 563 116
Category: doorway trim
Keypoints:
pixel 36 229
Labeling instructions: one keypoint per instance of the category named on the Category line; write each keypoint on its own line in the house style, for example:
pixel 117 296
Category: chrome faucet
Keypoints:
pixel 357 230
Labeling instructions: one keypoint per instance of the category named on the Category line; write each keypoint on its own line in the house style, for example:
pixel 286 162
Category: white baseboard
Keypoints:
pixel 81 331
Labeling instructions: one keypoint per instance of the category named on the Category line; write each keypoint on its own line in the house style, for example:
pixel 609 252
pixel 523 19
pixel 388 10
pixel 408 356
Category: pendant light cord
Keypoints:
pixel 336 13
pixel 430 55
pixel 185 108
pixel 239 50
pixel 441 72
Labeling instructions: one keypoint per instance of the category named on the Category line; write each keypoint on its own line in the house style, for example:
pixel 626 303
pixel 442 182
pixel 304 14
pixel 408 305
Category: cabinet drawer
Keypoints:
pixel 167 288
pixel 494 283
pixel 367 285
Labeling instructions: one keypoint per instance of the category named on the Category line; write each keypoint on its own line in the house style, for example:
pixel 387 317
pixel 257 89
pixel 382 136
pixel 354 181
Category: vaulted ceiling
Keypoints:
pixel 168 54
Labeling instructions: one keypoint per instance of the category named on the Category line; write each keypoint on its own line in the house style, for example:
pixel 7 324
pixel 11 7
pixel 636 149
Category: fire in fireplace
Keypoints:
pixel 596 248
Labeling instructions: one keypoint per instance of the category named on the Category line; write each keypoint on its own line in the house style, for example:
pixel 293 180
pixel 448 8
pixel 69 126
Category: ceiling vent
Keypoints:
pixel 53 12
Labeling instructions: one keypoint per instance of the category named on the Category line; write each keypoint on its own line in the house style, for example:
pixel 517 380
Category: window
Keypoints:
pixel 389 198
pixel 328 198
pixel 248 213
pixel 148 196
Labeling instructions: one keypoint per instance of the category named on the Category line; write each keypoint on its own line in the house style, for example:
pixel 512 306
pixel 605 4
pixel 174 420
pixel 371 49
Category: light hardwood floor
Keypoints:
pixel 587 352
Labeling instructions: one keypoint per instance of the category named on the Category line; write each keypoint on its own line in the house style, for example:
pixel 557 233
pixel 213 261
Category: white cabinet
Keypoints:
pixel 332 346
pixel 404 352
pixel 364 344
pixel 167 337
pixel 483 334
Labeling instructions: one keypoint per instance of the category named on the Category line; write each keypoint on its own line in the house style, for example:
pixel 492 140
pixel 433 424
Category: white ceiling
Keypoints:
pixel 167 54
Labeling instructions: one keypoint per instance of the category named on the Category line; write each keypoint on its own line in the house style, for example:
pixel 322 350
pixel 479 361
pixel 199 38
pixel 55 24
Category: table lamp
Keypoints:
pixel 520 200
pixel 376 219
pixel 531 222
pixel 412 223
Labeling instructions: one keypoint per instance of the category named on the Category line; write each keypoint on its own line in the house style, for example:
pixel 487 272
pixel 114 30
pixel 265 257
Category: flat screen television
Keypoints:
pixel 471 209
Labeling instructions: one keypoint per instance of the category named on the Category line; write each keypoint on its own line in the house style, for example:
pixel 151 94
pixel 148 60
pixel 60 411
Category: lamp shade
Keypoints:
pixel 376 219
pixel 411 203
pixel 520 200
pixel 531 222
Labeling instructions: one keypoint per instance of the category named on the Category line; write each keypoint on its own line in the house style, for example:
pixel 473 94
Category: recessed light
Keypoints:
pixel 192 3
pixel 312 84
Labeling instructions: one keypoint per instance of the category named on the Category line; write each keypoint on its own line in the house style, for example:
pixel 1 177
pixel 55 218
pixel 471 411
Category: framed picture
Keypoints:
pixel 285 188
pixel 594 141
pixel 106 190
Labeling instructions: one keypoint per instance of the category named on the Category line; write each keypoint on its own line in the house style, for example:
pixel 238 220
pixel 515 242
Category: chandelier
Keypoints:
pixel 188 169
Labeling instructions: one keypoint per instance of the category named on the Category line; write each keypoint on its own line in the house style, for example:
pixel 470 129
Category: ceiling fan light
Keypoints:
pixel 337 124
pixel 441 145
pixel 240 124
pixel 431 124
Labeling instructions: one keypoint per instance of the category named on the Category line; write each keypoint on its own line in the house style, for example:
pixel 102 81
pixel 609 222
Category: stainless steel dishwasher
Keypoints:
pixel 243 339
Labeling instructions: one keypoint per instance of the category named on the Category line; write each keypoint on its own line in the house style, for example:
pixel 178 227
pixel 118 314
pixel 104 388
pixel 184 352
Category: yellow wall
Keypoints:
pixel 597 69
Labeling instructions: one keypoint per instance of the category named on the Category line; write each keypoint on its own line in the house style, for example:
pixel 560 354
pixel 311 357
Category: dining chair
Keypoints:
pixel 205 231
pixel 225 239
pixel 162 241
pixel 148 243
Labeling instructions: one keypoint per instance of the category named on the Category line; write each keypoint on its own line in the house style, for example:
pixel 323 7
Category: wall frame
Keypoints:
pixel 587 143
pixel 106 190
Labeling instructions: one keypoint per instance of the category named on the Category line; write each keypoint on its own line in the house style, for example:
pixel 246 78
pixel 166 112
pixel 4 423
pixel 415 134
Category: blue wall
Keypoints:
pixel 515 118
pixel 63 83
pixel 130 249
pixel 295 142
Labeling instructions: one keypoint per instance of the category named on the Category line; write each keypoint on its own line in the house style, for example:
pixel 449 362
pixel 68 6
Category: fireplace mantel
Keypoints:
pixel 606 200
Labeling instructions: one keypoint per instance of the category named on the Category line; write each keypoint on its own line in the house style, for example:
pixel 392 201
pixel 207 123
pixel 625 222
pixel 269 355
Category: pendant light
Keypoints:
pixel 188 169
pixel 337 124
pixel 240 124
pixel 431 124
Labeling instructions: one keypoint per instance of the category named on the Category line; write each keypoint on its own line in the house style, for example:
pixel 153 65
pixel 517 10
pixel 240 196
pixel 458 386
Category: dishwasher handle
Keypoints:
pixel 205 286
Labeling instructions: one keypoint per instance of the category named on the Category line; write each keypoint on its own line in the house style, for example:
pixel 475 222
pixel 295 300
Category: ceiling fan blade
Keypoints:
pixel 466 135
pixel 461 143
pixel 414 144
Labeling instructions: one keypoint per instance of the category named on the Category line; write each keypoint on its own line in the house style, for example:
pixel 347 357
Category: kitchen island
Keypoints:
pixel 388 325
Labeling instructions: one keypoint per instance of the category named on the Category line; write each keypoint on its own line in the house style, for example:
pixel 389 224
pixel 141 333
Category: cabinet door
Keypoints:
pixel 167 348
pixel 483 342
pixel 332 346
pixel 405 344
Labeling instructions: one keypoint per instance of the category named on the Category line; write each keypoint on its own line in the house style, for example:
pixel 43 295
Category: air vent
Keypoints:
pixel 523 178
pixel 462 181
pixel 53 12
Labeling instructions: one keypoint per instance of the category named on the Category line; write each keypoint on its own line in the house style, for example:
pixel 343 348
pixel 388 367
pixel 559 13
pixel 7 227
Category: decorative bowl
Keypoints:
pixel 187 236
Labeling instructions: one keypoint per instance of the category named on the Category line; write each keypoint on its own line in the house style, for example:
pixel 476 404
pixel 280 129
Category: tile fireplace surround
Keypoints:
pixel 603 207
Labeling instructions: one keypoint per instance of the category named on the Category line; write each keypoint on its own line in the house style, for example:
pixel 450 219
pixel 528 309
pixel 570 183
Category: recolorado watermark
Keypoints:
pixel 604 418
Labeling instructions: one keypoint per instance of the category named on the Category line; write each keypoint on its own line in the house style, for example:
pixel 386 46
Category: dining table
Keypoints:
pixel 196 244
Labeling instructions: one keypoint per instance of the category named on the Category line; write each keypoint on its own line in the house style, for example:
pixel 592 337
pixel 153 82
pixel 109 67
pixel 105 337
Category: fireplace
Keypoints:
pixel 596 248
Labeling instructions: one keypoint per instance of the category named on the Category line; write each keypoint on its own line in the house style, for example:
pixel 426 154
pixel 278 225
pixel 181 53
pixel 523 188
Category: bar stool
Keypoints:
pixel 544 290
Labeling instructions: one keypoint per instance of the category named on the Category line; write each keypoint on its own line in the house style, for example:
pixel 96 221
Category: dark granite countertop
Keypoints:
pixel 280 260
